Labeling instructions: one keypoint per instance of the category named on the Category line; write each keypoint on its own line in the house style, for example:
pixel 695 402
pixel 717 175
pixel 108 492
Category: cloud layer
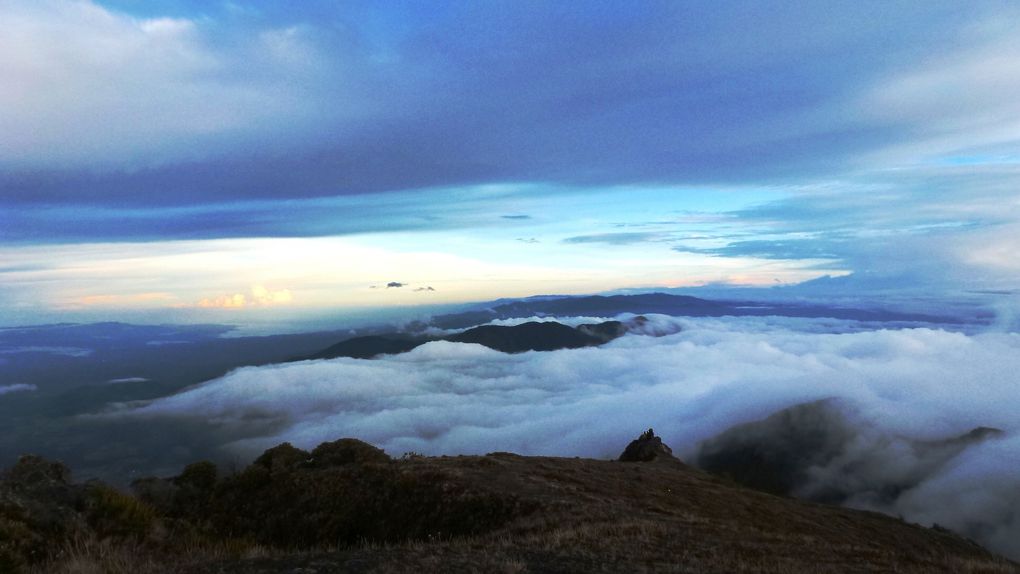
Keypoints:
pixel 689 385
pixel 85 85
pixel 614 129
pixel 146 105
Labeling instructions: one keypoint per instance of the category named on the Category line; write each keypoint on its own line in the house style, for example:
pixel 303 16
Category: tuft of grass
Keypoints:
pixel 16 541
pixel 90 555
pixel 112 513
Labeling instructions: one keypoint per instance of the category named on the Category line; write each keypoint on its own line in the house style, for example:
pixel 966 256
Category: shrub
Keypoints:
pixel 347 494
pixel 281 458
pixel 346 451
pixel 112 513
pixel 17 542
pixel 200 476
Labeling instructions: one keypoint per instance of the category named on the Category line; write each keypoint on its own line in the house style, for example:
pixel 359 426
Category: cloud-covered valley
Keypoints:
pixel 693 381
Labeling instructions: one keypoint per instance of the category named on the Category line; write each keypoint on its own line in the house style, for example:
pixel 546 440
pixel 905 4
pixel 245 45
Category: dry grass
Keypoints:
pixel 588 516
pixel 91 555
pixel 632 546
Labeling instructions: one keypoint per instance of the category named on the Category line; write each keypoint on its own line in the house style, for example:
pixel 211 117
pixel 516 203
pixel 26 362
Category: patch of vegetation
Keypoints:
pixel 343 504
pixel 17 541
pixel 112 513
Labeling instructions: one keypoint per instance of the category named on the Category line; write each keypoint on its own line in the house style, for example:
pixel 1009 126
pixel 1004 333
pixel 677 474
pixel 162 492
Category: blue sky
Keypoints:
pixel 185 155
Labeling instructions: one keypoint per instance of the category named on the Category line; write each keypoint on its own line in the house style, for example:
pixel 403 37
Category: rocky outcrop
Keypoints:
pixel 647 448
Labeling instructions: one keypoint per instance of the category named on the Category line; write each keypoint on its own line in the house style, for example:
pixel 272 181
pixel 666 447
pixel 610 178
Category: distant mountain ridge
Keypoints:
pixel 591 305
pixel 665 304
pixel 530 336
pixel 548 336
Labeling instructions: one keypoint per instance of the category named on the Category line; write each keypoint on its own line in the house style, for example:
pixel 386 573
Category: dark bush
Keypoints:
pixel 17 541
pixel 112 513
pixel 156 492
pixel 357 495
pixel 282 457
pixel 199 476
pixel 346 451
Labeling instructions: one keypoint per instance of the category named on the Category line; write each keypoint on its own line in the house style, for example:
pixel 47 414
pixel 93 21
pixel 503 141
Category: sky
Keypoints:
pixel 206 158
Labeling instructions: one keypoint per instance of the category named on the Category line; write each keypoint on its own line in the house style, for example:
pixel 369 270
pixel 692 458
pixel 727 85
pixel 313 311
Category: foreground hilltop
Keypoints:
pixel 348 507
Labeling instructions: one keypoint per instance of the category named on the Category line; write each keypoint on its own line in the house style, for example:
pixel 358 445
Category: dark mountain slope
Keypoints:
pixel 532 336
pixel 821 452
pixel 368 347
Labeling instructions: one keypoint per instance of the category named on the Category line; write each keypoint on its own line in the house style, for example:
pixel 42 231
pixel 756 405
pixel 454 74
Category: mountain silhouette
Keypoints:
pixel 530 336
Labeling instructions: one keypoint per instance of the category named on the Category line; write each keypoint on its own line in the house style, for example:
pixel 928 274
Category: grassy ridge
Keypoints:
pixel 347 507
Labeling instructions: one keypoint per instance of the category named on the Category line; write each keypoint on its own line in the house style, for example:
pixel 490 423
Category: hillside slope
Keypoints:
pixel 347 507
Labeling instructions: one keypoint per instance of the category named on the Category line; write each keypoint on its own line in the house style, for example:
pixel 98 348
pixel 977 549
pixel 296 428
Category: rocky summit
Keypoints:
pixel 647 448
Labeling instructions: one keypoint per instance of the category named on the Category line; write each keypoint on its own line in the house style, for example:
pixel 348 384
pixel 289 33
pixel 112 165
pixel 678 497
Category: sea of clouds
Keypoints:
pixel 689 378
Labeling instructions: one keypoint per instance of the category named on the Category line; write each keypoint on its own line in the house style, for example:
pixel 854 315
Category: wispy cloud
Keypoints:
pixel 619 238
pixel 958 102
pixel 123 300
pixel 811 248
pixel 16 388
